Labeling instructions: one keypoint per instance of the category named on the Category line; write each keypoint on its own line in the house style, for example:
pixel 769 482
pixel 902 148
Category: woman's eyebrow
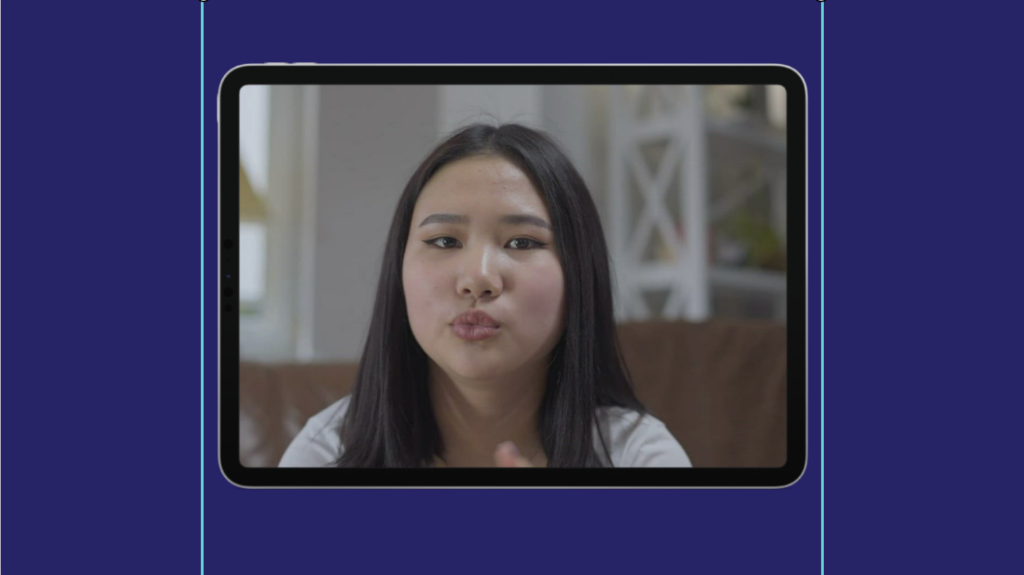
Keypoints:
pixel 514 219
pixel 519 219
pixel 444 219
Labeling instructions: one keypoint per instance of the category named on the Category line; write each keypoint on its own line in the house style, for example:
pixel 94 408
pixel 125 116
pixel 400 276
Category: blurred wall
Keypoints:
pixel 461 105
pixel 370 140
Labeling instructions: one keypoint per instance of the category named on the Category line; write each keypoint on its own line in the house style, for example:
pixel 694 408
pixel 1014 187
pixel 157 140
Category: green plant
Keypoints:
pixel 766 248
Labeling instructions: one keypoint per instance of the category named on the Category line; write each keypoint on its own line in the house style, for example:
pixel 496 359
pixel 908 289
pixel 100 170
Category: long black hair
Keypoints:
pixel 390 420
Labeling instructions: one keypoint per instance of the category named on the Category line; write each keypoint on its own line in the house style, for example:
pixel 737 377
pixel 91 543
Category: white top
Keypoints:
pixel 632 441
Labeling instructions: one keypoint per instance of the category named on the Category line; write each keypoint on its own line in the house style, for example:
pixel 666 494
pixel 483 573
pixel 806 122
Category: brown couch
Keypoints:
pixel 719 386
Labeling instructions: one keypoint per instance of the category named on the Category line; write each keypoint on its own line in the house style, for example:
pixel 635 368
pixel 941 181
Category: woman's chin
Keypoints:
pixel 476 363
pixel 476 369
pixel 479 373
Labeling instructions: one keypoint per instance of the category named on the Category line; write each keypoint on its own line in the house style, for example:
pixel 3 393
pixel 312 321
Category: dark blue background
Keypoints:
pixel 102 417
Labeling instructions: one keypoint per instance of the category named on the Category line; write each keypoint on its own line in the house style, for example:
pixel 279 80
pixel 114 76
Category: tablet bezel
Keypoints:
pixel 321 74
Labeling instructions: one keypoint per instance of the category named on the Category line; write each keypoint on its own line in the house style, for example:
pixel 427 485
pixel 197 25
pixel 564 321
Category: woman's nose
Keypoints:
pixel 480 276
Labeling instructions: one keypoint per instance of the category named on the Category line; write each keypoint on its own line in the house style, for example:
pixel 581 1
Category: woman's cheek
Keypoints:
pixel 545 290
pixel 421 287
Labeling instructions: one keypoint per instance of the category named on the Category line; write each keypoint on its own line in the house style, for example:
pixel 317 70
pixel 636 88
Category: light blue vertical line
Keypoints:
pixel 202 281
pixel 822 142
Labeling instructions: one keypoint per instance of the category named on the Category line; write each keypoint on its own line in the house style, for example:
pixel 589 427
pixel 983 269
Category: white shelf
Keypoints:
pixel 692 137
pixel 748 278
pixel 760 136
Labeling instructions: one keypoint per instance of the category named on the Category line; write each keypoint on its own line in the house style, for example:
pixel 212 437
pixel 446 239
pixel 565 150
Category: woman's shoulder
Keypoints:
pixel 637 439
pixel 330 416
pixel 318 443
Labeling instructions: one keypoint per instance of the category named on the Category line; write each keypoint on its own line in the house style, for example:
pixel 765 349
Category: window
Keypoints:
pixel 254 120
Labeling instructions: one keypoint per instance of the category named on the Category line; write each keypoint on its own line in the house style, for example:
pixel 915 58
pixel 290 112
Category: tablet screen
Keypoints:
pixel 440 273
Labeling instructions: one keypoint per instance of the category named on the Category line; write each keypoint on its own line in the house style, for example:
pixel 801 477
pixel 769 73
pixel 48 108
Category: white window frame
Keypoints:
pixel 282 329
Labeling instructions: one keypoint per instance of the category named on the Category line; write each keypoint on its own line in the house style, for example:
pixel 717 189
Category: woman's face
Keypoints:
pixel 481 239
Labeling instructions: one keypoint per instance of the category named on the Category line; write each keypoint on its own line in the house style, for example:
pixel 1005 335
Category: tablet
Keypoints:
pixel 512 275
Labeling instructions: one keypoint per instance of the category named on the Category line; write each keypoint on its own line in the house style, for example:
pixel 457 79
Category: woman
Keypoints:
pixel 492 341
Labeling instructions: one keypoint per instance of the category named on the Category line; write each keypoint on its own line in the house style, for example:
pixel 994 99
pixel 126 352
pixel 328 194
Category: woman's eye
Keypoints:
pixel 524 244
pixel 443 242
pixel 448 242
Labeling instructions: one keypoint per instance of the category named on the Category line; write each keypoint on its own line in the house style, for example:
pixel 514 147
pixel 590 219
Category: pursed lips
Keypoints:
pixel 475 326
pixel 476 318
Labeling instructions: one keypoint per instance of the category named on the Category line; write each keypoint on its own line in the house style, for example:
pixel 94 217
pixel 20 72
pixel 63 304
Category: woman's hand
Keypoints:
pixel 507 455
